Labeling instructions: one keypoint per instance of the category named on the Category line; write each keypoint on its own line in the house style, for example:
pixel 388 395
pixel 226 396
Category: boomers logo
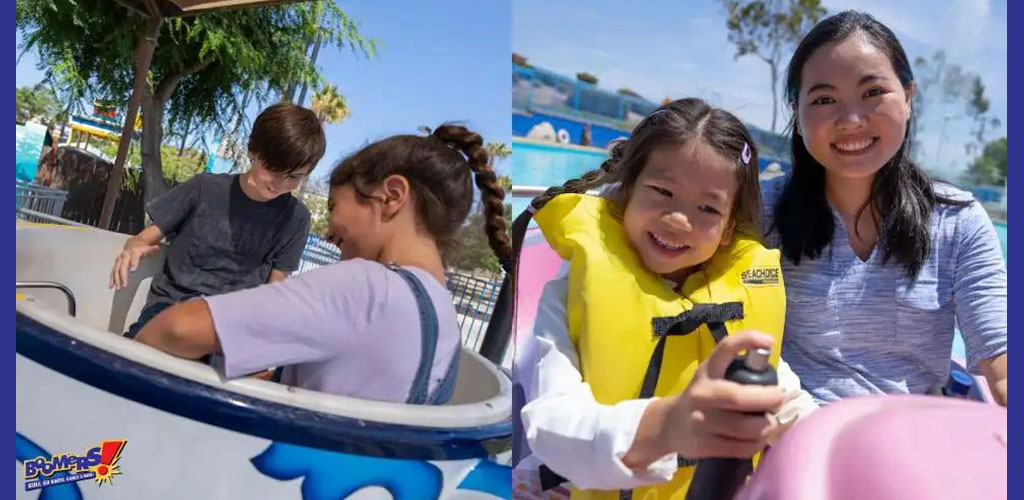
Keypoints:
pixel 99 463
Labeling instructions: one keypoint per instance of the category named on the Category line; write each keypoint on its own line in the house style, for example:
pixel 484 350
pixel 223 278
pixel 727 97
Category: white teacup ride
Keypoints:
pixel 174 428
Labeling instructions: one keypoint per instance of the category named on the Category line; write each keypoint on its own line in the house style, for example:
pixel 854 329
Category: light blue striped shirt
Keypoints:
pixel 856 328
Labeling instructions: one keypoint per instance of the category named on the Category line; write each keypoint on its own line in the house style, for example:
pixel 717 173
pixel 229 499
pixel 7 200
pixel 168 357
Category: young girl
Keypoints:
pixel 881 263
pixel 627 391
pixel 381 324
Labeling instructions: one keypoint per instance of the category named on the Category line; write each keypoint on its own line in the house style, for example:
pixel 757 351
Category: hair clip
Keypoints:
pixel 745 155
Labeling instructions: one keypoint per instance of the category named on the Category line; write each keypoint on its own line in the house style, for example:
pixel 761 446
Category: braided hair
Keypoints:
pixel 440 168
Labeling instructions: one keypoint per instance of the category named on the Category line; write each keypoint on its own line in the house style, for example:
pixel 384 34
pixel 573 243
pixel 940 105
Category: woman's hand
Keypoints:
pixel 713 417
pixel 995 369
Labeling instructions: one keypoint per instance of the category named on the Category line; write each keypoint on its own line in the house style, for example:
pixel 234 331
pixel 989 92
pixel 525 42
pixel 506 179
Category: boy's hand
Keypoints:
pixel 715 417
pixel 128 261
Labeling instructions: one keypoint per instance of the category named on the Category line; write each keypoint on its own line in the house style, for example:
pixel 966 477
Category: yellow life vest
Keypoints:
pixel 636 336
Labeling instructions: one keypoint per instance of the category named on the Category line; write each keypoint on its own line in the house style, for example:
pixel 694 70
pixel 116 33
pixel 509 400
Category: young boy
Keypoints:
pixel 231 232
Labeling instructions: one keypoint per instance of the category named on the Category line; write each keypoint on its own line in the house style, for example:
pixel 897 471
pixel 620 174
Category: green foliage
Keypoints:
pixel 176 168
pixel 318 214
pixel 202 64
pixel 506 184
pixel 628 91
pixel 937 81
pixel 498 151
pixel 36 102
pixel 586 77
pixel 989 168
pixel 760 27
pixel 978 107
pixel 767 29
pixel 329 105
pixel 473 251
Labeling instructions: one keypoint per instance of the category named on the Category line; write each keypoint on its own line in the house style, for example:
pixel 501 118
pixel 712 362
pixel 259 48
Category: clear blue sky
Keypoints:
pixel 680 49
pixel 438 61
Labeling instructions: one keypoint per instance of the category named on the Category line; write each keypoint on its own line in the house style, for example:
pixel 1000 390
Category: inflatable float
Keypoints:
pixel 888 447
pixel 101 416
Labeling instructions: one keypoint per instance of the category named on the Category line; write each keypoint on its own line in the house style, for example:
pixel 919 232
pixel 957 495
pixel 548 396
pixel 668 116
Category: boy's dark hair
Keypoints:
pixel 440 169
pixel 676 123
pixel 286 138
pixel 900 191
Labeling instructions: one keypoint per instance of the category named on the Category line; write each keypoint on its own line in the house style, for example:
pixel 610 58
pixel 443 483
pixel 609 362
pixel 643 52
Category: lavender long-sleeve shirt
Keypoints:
pixel 351 328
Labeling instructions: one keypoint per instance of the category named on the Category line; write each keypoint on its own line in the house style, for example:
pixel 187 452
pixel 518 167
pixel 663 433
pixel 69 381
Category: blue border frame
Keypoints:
pixel 246 414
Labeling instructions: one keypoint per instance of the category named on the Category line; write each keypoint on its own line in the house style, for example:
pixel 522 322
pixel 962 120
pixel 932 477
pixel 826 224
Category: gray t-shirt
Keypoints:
pixel 856 328
pixel 222 240
pixel 351 328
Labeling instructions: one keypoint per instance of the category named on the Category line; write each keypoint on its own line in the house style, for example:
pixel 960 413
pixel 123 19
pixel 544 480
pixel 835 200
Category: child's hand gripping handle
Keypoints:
pixel 721 478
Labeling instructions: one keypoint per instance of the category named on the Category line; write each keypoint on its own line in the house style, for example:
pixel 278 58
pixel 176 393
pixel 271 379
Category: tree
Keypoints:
pixel 978 111
pixel 319 217
pixel 628 92
pixel 178 166
pixel 497 151
pixel 586 77
pixel 37 102
pixel 990 167
pixel 202 65
pixel 329 105
pixel 935 74
pixel 767 29
pixel 473 251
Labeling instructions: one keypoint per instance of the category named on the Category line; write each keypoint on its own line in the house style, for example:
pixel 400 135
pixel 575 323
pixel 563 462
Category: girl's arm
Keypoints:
pixel 979 295
pixel 566 428
pixel 635 442
pixel 309 317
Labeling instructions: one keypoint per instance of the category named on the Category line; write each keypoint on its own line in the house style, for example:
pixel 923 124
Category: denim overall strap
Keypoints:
pixel 419 392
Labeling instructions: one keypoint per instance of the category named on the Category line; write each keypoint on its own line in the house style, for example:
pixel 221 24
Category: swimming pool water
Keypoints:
pixel 28 146
pixel 550 165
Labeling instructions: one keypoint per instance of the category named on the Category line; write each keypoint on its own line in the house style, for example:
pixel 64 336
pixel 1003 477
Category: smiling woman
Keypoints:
pixel 860 225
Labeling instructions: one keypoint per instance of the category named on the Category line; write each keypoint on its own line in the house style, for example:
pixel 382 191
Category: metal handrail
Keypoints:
pixel 51 285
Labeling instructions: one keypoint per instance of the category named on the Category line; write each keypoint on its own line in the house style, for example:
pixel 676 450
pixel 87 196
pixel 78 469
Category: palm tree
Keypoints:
pixel 498 150
pixel 329 105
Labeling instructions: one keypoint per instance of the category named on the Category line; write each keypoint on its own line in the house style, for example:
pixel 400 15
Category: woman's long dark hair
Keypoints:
pixel 901 192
